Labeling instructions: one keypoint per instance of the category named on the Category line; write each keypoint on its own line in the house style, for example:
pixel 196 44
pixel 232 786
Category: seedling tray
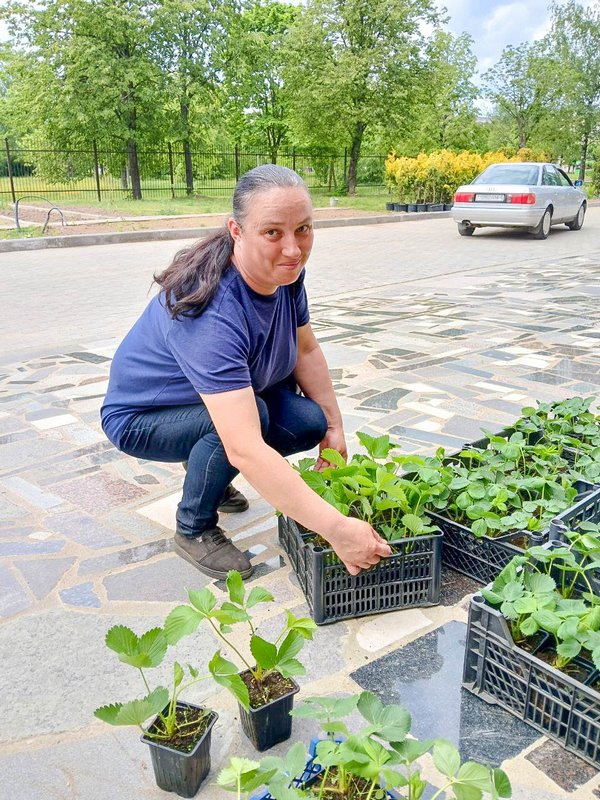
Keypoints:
pixel 587 509
pixel 553 703
pixel 311 771
pixel 482 558
pixel 410 577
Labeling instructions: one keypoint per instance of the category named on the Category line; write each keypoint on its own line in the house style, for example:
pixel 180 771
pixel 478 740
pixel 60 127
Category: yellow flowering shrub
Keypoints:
pixel 434 177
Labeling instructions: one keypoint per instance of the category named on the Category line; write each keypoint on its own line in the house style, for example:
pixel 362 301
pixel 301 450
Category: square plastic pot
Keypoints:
pixel 409 578
pixel 179 772
pixel 556 704
pixel 270 724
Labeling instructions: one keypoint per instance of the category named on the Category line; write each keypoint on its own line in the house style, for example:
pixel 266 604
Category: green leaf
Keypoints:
pixel 333 457
pixel 258 595
pixel 235 587
pixel 413 523
pixel 178 674
pixel 264 652
pixel 204 601
pixel 304 626
pixel 370 706
pixel 446 758
pixel 501 783
pixel 225 673
pixel 376 446
pixel 135 712
pixel 229 777
pixel 180 622
pixel 122 640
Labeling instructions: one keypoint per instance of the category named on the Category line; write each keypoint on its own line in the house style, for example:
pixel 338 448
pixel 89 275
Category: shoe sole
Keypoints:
pixel 212 573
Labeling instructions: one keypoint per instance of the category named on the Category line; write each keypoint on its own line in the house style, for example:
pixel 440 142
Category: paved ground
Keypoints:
pixel 429 336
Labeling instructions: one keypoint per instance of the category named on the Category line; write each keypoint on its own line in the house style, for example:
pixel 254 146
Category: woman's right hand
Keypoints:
pixel 358 545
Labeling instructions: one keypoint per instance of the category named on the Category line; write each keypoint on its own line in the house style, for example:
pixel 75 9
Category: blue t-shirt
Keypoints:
pixel 241 339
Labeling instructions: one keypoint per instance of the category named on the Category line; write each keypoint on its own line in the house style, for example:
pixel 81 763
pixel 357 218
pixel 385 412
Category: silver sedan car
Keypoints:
pixel 519 195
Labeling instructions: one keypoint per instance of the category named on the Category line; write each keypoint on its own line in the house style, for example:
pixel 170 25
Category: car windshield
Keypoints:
pixel 522 174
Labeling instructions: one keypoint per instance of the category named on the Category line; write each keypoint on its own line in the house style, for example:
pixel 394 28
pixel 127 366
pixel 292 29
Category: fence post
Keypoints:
pixel 237 162
pixel 10 172
pixel 294 159
pixel 171 173
pixel 97 171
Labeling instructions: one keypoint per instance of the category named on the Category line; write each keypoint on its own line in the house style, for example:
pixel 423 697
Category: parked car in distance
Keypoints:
pixel 521 194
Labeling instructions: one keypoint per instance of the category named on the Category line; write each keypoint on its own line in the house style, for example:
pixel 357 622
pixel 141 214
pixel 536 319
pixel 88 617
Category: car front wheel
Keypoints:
pixel 542 229
pixel 465 230
pixel 577 223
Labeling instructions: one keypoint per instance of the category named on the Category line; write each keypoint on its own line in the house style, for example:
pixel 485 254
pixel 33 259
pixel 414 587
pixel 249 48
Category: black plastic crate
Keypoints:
pixel 482 558
pixel 410 577
pixel 553 703
pixel 587 509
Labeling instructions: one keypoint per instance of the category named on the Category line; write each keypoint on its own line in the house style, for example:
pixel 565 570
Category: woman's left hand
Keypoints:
pixel 335 439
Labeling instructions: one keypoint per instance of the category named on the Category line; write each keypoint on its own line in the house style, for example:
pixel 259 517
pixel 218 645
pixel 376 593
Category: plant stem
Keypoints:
pixel 443 789
pixel 235 650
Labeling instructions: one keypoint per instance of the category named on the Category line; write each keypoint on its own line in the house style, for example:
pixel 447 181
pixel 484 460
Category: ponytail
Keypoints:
pixel 190 282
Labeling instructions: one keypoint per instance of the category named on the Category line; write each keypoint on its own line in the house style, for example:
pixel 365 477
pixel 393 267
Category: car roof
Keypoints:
pixel 522 163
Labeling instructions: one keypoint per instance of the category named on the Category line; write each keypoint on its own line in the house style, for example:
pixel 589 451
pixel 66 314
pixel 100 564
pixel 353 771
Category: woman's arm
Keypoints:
pixel 235 417
pixel 312 376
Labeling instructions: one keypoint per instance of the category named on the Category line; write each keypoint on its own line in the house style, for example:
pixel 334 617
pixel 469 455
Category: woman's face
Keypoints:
pixel 275 241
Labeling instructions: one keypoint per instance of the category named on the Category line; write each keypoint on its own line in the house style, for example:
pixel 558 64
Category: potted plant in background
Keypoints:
pixel 264 688
pixel 378 761
pixel 179 735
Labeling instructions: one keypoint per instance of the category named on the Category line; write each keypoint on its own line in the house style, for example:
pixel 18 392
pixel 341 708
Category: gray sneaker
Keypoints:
pixel 213 554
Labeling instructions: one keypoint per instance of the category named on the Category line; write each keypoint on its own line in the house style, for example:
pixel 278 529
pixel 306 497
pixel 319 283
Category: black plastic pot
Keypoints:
pixel 448 206
pixel 179 772
pixel 400 207
pixel 411 207
pixel 270 724
pixel 435 206
pixel 421 206
pixel 389 206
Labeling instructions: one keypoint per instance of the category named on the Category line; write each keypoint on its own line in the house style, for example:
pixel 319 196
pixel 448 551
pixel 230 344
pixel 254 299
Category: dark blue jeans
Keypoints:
pixel 290 423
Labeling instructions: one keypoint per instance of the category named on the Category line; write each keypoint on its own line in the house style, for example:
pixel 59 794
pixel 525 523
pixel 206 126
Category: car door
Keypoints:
pixel 574 198
pixel 552 187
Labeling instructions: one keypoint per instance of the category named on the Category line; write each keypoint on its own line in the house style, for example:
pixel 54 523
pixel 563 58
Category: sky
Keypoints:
pixel 494 24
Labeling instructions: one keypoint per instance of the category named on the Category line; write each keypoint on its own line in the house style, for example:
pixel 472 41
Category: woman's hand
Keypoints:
pixel 358 545
pixel 335 439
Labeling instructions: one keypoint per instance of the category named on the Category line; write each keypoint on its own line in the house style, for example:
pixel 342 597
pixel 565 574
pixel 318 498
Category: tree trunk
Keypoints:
pixel 584 149
pixel 134 170
pixel 189 167
pixel 357 136
pixel 184 110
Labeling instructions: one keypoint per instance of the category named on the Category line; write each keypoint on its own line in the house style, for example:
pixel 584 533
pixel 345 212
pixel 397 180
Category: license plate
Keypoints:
pixel 489 198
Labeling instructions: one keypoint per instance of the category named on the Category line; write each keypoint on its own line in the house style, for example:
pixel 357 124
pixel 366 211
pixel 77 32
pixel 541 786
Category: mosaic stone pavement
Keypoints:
pixel 86 531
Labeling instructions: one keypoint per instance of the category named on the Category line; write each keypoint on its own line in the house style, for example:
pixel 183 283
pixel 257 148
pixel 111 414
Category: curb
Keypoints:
pixel 87 239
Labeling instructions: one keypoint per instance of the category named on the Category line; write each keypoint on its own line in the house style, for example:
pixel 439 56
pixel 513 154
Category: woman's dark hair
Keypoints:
pixel 190 282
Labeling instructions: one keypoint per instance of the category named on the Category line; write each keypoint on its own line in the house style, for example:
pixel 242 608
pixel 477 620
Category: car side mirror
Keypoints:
pixel 578 182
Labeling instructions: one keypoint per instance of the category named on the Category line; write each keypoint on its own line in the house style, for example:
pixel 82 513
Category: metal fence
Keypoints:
pixel 101 172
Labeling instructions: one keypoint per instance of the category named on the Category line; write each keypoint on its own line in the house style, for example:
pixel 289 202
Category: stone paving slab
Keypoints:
pixel 86 532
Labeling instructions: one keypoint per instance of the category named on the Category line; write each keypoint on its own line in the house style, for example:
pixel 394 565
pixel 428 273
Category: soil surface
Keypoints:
pixel 272 687
pixel 84 221
pixel 191 725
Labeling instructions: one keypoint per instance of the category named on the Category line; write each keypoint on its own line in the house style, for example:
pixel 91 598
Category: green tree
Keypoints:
pixel 520 86
pixel 85 72
pixel 253 61
pixel 444 115
pixel 575 38
pixel 185 35
pixel 352 64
